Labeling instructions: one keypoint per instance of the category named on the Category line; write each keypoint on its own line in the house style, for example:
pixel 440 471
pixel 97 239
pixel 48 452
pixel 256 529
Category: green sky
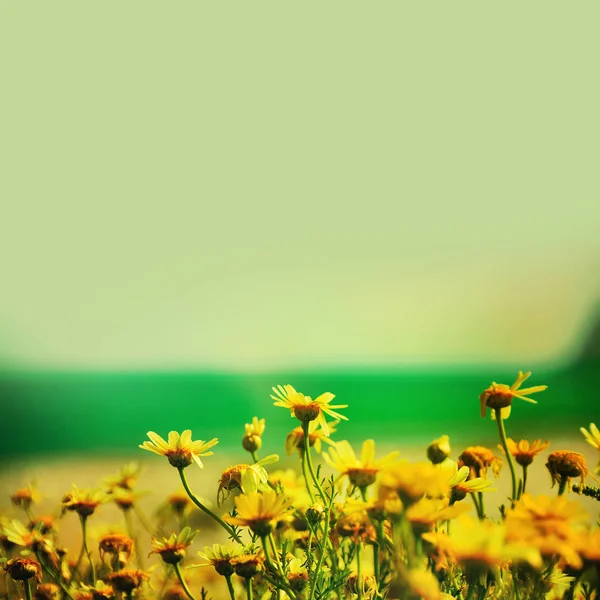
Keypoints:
pixel 194 184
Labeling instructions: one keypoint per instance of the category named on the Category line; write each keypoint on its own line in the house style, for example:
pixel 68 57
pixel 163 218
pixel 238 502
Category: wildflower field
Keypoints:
pixel 343 522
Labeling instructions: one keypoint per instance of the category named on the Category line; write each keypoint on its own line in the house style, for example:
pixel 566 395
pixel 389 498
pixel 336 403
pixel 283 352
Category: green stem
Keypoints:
pixel 132 534
pixel 509 458
pixel 323 544
pixel 27 586
pixel 184 585
pixel 476 503
pixel 249 587
pixel 54 576
pixel 143 520
pixel 129 595
pixel 206 510
pixel 524 479
pixel 254 456
pixel 230 586
pixel 309 459
pixel 481 505
pixel 562 486
pixel 306 480
pixel 471 590
pixel 86 548
pixel 277 569
pixel 359 586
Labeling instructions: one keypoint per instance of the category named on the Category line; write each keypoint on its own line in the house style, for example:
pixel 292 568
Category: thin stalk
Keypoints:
pixel 129 595
pixel 305 474
pixel 54 576
pixel 132 534
pixel 509 458
pixel 27 585
pixel 206 510
pixel 562 486
pixel 278 569
pixel 524 479
pixel 471 591
pixel 359 586
pixel 86 548
pixel 249 587
pixel 476 503
pixel 254 456
pixel 309 459
pixel 323 543
pixel 184 585
pixel 230 586
pixel 481 505
pixel 143 520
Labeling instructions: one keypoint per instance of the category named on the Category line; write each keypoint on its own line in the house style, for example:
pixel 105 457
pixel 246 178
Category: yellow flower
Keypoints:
pixel 25 497
pixel 180 450
pixel 422 585
pixel 363 472
pixel 126 478
pixel 412 481
pixel 523 451
pixel 259 511
pixel 252 440
pixel 459 482
pixel 172 549
pixel 220 558
pixel 481 545
pixel 305 409
pixel 292 486
pixel 500 395
pixel 427 512
pixel 84 502
pixel 551 525
pixel 592 437
pixel 247 478
pixel 316 435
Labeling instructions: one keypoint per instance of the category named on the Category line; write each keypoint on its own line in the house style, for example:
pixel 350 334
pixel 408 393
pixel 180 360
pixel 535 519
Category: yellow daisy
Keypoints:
pixel 500 395
pixel 363 472
pixel 523 451
pixel 179 449
pixel 259 511
pixel 172 549
pixel 305 409
pixel 244 477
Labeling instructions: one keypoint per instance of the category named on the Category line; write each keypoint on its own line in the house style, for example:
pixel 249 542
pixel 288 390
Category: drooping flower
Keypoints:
pixel 128 580
pixel 478 459
pixel 305 409
pixel 439 450
pixel 363 472
pixel 244 477
pixel 564 465
pixel 259 511
pixel 22 569
pixel 500 395
pixel 523 451
pixel 180 450
pixel 117 545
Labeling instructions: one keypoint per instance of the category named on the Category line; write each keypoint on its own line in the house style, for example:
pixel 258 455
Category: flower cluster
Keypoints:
pixel 360 524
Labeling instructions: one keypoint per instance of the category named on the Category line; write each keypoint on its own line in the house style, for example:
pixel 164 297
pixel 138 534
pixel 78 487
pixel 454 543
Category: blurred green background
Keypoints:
pixel 394 202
